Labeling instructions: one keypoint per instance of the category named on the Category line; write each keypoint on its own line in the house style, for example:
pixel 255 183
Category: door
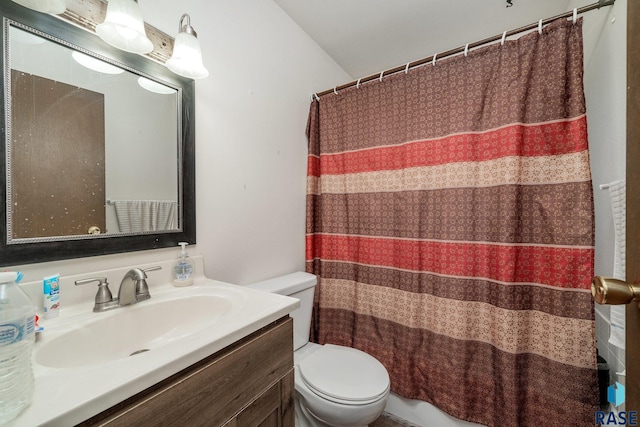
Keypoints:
pixel 633 203
pixel 57 158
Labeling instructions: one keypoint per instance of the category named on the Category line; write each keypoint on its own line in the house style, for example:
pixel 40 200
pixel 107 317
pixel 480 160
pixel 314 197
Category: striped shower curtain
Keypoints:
pixel 146 215
pixel 450 224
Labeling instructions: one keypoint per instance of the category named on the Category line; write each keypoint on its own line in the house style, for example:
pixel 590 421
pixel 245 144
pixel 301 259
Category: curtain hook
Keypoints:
pixel 334 90
pixel 540 27
pixel 381 74
pixel 504 36
pixel 433 61
pixel 317 97
pixel 358 84
pixel 406 69
pixel 466 49
pixel 575 15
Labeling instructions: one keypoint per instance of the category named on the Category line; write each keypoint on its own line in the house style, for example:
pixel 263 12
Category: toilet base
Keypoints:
pixel 304 418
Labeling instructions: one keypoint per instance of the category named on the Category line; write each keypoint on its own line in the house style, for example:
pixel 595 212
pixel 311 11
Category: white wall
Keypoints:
pixel 605 79
pixel 251 148
pixel 250 122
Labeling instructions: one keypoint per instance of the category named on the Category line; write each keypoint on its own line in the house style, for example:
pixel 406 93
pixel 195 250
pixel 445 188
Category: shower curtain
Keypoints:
pixel 146 215
pixel 450 224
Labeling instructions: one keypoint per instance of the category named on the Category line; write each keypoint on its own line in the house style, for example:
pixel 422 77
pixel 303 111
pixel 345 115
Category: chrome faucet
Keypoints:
pixel 133 289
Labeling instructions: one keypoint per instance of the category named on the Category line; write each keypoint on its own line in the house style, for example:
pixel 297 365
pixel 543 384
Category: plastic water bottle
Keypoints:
pixel 17 336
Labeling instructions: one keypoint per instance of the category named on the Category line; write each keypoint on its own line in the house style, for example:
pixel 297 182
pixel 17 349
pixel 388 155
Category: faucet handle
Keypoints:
pixel 103 296
pixel 142 289
pixel 154 268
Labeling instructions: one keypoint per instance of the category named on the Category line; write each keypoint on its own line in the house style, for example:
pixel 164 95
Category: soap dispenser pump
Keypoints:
pixel 183 268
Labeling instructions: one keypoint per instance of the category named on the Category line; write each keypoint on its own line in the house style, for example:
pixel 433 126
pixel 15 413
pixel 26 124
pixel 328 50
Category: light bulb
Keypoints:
pixel 123 27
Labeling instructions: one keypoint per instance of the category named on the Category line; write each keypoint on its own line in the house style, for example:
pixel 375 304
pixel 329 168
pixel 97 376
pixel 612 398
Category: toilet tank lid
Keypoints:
pixel 287 284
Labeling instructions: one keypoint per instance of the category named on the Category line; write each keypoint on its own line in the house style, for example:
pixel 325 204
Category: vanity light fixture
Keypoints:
pixel 123 27
pixel 54 7
pixel 186 59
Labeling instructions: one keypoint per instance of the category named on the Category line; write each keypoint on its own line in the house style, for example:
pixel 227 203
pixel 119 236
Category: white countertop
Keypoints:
pixel 68 395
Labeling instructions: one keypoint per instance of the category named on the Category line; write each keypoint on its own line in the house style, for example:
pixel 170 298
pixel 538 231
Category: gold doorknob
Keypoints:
pixel 613 291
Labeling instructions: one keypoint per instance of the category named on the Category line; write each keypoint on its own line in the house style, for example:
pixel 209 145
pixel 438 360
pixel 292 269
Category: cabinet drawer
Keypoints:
pixel 212 391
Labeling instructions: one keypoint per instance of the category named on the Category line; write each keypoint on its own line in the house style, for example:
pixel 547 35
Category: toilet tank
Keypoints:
pixel 298 285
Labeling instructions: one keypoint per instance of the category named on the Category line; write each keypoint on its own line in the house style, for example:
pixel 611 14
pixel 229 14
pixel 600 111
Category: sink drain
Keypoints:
pixel 139 351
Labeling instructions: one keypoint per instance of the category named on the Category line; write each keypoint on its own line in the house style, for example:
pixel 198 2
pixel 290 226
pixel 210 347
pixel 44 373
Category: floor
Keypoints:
pixel 388 420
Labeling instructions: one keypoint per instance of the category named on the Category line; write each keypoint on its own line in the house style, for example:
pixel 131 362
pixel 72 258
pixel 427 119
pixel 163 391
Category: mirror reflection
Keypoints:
pixel 91 149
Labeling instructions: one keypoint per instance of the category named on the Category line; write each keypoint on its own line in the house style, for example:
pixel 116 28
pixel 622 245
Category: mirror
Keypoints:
pixel 98 145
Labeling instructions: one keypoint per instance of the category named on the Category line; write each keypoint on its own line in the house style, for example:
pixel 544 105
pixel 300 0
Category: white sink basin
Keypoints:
pixel 133 330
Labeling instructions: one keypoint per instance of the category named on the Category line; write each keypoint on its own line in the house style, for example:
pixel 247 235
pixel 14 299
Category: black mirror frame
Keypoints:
pixel 87 246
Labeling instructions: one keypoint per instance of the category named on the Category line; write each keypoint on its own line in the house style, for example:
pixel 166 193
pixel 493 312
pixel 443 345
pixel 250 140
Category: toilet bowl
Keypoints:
pixel 339 386
pixel 335 385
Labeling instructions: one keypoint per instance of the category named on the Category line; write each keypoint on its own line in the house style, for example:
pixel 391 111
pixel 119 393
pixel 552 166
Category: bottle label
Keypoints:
pixel 13 332
pixel 10 333
pixel 31 325
pixel 183 271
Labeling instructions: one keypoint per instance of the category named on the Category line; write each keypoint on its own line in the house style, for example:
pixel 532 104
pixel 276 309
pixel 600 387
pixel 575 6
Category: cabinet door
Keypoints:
pixel 264 411
pixel 273 408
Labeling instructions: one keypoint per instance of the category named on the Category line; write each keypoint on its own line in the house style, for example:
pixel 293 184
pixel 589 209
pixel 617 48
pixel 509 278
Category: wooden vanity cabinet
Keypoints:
pixel 247 384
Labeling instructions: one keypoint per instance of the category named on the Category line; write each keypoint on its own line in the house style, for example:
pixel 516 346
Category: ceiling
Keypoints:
pixel 367 36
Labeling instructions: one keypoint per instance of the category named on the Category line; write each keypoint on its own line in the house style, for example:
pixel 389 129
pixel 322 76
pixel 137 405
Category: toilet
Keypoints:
pixel 335 385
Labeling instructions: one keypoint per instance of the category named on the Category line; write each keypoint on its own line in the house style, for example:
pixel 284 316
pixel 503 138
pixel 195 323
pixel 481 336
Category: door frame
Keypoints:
pixel 632 362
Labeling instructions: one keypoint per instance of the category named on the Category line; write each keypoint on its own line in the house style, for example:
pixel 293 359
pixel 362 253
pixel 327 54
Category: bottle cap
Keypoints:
pixel 184 247
pixel 8 276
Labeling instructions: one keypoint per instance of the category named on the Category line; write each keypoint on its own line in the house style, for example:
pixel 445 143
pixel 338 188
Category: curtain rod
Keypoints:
pixel 461 49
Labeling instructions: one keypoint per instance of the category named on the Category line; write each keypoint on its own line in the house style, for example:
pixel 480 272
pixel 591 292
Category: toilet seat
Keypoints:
pixel 344 375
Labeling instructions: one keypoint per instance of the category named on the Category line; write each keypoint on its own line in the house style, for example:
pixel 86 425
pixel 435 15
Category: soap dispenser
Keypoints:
pixel 183 268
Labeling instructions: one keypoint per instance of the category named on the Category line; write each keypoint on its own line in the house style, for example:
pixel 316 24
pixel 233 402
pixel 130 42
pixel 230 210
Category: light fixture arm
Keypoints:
pixel 186 28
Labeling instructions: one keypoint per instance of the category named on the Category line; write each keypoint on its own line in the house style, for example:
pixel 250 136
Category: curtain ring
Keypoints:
pixel 358 84
pixel 334 90
pixel 540 27
pixel 504 36
pixel 575 15
pixel 433 61
pixel 466 49
pixel 406 69
pixel 381 73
